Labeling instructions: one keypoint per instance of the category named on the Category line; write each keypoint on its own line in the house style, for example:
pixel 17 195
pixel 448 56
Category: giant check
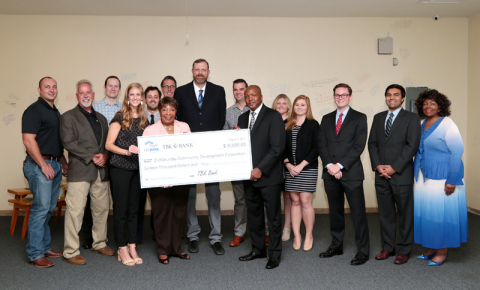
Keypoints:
pixel 193 158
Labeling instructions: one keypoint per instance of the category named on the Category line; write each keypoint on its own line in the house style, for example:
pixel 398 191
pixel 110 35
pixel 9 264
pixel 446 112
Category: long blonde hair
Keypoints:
pixel 292 118
pixel 287 100
pixel 126 110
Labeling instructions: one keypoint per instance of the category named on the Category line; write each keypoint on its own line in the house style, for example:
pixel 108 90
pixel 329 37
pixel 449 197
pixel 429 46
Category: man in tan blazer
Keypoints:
pixel 83 132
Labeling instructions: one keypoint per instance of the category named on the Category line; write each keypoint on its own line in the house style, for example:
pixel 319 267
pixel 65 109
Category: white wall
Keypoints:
pixel 281 55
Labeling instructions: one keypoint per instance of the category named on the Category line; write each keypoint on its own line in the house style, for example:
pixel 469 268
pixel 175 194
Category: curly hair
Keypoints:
pixel 442 101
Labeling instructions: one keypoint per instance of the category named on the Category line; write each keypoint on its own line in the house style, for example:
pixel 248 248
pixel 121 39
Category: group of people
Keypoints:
pixel 417 166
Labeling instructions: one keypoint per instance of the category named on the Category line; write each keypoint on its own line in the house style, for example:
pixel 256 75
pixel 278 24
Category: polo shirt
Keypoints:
pixel 94 123
pixel 44 121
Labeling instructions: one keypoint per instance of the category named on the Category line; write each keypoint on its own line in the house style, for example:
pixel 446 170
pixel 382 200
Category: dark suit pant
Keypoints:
pixel 389 195
pixel 125 193
pixel 169 211
pixel 257 199
pixel 141 214
pixel 336 191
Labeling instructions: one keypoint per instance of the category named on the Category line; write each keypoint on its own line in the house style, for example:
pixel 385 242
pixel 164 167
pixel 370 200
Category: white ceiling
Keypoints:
pixel 255 8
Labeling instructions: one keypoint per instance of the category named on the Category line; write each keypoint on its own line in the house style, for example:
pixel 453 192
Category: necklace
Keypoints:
pixel 169 129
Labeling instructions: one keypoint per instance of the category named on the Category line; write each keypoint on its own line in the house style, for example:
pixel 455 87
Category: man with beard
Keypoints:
pixel 83 133
pixel 108 107
pixel 202 105
pixel 152 98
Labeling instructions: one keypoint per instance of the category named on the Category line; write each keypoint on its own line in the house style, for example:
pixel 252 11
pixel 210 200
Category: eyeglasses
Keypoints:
pixel 343 96
pixel 169 87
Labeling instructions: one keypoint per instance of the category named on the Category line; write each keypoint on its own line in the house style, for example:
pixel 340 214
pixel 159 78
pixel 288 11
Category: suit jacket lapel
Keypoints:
pixel 192 96
pixel 207 95
pixel 258 119
pixel 344 121
pixel 396 123
pixel 87 127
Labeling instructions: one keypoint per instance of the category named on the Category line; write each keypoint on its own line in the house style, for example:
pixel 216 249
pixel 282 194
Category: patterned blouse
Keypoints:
pixel 126 138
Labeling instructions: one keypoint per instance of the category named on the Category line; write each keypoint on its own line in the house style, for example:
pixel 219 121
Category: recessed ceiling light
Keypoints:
pixel 440 1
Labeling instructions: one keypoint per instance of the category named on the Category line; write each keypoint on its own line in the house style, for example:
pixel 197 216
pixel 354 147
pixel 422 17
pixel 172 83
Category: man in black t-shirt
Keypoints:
pixel 43 169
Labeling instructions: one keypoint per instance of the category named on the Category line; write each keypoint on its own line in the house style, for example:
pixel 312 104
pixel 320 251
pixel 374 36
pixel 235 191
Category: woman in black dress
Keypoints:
pixel 302 165
pixel 125 126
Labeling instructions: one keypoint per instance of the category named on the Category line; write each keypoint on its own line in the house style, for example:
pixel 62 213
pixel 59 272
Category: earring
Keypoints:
pixel 439 111
pixel 141 103
pixel 128 102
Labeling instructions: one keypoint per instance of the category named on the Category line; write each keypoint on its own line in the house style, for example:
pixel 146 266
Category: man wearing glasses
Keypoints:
pixel 341 141
pixel 168 86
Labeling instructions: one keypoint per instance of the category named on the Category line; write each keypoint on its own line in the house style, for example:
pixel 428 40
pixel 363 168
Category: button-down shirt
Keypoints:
pixel 232 114
pixel 395 114
pixel 257 111
pixel 106 109
pixel 156 116
pixel 197 90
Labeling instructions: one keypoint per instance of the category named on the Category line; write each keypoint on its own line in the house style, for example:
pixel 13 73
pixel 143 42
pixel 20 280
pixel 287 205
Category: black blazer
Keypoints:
pixel 306 144
pixel 344 148
pixel 398 149
pixel 211 116
pixel 267 139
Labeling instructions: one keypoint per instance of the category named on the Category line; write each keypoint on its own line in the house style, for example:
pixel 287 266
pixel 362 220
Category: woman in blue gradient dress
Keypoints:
pixel 440 202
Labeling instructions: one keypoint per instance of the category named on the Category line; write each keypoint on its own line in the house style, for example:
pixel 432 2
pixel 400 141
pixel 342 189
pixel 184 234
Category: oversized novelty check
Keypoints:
pixel 193 158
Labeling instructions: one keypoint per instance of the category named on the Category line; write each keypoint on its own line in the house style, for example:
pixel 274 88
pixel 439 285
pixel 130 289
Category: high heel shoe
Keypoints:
pixel 432 263
pixel 426 257
pixel 306 249
pixel 296 248
pixel 286 234
pixel 130 262
pixel 136 260
pixel 163 261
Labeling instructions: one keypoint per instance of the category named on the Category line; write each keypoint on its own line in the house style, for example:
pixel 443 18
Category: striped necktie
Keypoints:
pixel 200 98
pixel 389 125
pixel 252 120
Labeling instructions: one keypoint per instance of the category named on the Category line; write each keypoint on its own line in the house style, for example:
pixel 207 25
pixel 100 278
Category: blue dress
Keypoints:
pixel 440 220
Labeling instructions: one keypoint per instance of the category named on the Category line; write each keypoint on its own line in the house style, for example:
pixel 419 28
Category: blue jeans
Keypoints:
pixel 45 195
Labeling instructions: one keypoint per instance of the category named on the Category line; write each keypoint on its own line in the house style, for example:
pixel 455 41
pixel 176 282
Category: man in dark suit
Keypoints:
pixel 83 132
pixel 267 138
pixel 341 141
pixel 202 106
pixel 393 142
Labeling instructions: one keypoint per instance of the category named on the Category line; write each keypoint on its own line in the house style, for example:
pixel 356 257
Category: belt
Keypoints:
pixel 51 158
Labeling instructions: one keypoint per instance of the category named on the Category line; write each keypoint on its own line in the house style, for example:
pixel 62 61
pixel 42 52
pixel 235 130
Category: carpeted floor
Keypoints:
pixel 205 270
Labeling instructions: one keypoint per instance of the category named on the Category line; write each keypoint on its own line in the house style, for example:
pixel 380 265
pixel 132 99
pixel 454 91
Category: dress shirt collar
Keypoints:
pixel 344 114
pixel 257 111
pixel 197 89
pixel 395 113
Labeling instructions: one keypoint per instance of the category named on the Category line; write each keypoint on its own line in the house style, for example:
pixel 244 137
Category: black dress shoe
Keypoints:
pixel 218 249
pixel 193 247
pixel 330 253
pixel 359 259
pixel 273 263
pixel 252 256
pixel 87 244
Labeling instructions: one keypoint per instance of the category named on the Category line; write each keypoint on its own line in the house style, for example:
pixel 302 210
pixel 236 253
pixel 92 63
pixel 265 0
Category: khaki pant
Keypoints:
pixel 76 199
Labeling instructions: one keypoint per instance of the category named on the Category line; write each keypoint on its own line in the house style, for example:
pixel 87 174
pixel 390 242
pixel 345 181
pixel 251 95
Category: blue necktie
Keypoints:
pixel 152 120
pixel 200 98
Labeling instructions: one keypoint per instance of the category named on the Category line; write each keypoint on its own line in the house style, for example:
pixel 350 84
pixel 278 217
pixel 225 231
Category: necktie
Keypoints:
pixel 252 120
pixel 339 123
pixel 200 98
pixel 152 121
pixel 389 125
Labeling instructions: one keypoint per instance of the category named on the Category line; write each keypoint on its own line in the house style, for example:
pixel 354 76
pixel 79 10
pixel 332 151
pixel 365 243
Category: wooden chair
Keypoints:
pixel 21 203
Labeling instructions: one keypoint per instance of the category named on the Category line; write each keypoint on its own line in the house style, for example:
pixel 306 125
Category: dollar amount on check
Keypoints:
pixel 193 158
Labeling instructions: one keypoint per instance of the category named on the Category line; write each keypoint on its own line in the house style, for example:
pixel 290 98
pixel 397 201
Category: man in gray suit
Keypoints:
pixel 83 133
pixel 393 142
